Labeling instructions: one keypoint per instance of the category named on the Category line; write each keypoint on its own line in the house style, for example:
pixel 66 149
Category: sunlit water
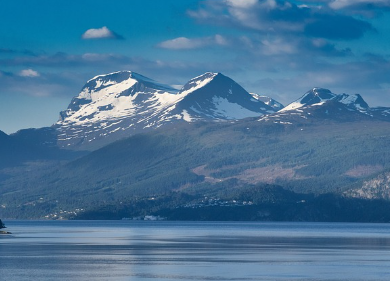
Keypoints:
pixel 127 250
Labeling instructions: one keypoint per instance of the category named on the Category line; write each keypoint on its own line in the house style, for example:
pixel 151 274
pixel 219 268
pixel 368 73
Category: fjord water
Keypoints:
pixel 140 250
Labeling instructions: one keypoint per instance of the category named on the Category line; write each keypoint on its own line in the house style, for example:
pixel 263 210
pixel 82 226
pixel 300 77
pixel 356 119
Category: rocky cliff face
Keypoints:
pixel 375 188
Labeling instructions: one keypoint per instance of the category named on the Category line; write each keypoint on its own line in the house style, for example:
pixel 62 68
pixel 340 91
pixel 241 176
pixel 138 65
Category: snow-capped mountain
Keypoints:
pixel 319 96
pixel 123 103
pixel 120 104
pixel 110 104
pixel 115 95
pixel 319 103
pixel 215 96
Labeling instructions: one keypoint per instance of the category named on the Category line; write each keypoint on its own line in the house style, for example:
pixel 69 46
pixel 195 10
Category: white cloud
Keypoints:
pixel 241 3
pixel 100 33
pixel 184 43
pixel 29 73
pixel 259 15
pixel 220 40
pixel 278 47
pixel 341 4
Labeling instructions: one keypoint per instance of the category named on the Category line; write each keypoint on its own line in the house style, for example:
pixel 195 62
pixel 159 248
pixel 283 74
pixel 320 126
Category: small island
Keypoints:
pixel 3 226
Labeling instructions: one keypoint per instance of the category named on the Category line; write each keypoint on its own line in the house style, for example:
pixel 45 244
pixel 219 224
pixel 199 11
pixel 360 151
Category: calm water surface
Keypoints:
pixel 127 250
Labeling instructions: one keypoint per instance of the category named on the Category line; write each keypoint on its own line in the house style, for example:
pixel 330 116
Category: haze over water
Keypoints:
pixel 127 250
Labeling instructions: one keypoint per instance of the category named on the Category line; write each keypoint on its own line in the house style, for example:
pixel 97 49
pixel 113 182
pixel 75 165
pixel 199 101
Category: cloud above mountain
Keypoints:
pixel 29 73
pixel 285 18
pixel 183 43
pixel 100 33
pixel 360 4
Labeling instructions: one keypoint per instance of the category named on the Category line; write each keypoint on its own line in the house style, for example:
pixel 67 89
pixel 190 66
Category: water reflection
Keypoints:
pixel 194 251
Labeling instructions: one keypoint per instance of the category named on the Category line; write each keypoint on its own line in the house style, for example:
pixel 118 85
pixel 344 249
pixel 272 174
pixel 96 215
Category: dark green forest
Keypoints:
pixel 214 159
pixel 254 203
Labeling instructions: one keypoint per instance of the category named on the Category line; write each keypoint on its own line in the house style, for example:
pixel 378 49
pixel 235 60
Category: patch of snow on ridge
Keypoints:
pixel 386 112
pixel 348 99
pixel 315 104
pixel 197 83
pixel 229 110
pixel 355 101
pixel 186 116
pixel 167 99
pixel 141 104
pixel 268 101
pixel 121 106
pixel 110 88
pixel 105 75
pixel 292 106
pixel 100 83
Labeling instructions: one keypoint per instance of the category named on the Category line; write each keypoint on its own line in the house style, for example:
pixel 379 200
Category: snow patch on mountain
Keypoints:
pixel 103 88
pixel 111 106
pixel 186 116
pixel 353 101
pixel 197 83
pixel 229 110
pixel 268 101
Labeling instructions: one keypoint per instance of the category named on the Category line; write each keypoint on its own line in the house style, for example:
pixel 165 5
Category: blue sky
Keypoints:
pixel 48 49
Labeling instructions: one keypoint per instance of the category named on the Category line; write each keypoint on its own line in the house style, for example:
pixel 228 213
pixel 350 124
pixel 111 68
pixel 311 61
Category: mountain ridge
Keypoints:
pixel 322 142
pixel 120 104
pixel 123 103
pixel 319 96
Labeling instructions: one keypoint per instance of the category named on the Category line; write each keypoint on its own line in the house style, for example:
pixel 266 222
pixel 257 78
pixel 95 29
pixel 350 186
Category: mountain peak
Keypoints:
pixel 116 73
pixel 321 93
pixel 198 82
pixel 106 90
pixel 318 96
pixel 119 76
pixel 314 96
pixel 117 82
pixel 214 95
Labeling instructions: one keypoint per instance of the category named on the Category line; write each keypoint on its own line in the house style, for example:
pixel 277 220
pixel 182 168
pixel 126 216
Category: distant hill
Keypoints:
pixel 198 158
pixel 31 145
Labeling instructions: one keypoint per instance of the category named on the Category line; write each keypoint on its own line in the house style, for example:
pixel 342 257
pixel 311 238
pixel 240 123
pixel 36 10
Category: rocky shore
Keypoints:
pixel 3 226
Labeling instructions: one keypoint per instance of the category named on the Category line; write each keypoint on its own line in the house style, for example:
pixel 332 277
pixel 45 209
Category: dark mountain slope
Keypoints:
pixel 31 145
pixel 304 157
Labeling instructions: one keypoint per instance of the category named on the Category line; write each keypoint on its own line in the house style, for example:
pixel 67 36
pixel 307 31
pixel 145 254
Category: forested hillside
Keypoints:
pixel 203 158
